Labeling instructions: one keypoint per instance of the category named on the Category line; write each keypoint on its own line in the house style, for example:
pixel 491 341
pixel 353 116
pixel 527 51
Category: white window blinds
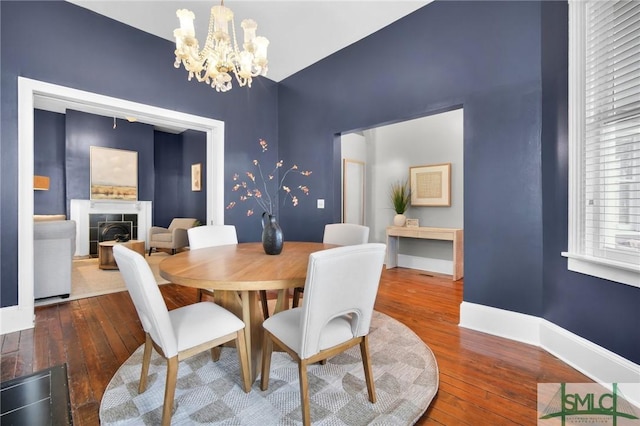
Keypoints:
pixel 606 175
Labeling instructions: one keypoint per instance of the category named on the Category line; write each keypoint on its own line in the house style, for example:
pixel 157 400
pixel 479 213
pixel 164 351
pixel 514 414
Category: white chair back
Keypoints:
pixel 147 299
pixel 212 235
pixel 340 281
pixel 345 234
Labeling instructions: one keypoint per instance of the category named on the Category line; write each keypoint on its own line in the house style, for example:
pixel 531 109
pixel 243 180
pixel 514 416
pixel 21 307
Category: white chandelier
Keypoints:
pixel 219 57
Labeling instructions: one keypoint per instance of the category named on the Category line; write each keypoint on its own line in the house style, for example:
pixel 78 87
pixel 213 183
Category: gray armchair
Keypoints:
pixel 174 237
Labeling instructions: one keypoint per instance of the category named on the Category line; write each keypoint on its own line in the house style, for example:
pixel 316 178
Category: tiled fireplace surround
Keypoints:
pixel 82 210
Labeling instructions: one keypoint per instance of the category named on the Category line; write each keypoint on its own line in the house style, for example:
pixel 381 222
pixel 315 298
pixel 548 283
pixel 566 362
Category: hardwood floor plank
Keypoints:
pixel 77 371
pixel 109 327
pixel 91 358
pixel 57 353
pixel 10 342
pixel 484 379
pixel 499 404
pixel 8 366
pixel 24 361
pixel 128 327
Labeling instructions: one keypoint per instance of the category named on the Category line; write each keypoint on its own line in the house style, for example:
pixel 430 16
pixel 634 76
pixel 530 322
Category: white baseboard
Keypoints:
pixel 499 322
pixel 595 362
pixel 13 318
pixel 425 264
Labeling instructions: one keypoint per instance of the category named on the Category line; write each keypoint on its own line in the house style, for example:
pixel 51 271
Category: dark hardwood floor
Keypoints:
pixel 484 380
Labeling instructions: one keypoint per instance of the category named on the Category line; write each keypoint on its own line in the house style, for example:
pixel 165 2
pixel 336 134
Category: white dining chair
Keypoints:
pixel 341 288
pixel 218 235
pixel 180 333
pixel 212 235
pixel 341 234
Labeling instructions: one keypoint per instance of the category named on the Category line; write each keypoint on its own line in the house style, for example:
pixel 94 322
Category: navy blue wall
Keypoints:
pixel 194 151
pixel 505 63
pixel 169 177
pixel 49 160
pixel 64 44
pixel 173 159
pixel 484 56
pixel 599 310
pixel 87 130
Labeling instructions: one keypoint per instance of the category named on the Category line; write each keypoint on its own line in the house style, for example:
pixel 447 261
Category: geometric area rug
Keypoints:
pixel 404 369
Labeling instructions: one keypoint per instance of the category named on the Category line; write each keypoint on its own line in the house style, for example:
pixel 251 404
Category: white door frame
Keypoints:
pixel 37 94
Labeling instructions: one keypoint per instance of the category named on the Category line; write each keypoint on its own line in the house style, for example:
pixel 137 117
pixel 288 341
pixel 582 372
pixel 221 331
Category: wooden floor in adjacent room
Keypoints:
pixel 484 380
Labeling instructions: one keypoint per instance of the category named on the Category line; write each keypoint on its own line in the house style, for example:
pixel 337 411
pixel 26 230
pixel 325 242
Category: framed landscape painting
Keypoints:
pixel 114 174
pixel 431 185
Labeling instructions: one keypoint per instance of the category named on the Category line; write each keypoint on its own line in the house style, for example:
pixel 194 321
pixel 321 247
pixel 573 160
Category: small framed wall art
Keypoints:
pixel 196 177
pixel 431 185
pixel 412 223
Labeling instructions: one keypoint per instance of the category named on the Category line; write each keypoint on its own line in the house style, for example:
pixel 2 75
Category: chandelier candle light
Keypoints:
pixel 220 55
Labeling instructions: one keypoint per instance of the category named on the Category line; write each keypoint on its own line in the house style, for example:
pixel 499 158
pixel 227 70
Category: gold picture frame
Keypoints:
pixel 196 177
pixel 431 185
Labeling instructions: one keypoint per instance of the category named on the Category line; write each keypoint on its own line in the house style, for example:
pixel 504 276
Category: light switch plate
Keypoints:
pixel 320 203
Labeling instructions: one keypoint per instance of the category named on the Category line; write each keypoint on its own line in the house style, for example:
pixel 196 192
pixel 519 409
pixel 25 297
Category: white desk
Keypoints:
pixel 394 233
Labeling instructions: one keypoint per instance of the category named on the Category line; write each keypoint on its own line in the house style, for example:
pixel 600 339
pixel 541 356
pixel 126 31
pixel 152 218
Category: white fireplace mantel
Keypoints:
pixel 81 209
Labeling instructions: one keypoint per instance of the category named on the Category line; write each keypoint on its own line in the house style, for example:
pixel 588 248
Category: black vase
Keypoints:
pixel 272 241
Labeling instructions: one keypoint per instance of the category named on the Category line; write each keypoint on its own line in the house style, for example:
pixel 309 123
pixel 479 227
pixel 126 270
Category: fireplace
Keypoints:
pixel 88 214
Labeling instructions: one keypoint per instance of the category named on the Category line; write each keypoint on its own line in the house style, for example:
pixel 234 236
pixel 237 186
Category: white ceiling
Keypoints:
pixel 300 32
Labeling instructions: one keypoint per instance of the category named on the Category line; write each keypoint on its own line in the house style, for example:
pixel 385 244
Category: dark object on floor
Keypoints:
pixel 41 398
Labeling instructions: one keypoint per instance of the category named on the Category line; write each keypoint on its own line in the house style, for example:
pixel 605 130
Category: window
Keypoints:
pixel 604 139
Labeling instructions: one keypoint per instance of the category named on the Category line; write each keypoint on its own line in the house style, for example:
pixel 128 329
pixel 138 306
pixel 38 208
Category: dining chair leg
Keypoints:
pixel 170 390
pixel 146 359
pixel 296 297
pixel 265 306
pixel 215 354
pixel 368 372
pixel 304 393
pixel 267 348
pixel 243 357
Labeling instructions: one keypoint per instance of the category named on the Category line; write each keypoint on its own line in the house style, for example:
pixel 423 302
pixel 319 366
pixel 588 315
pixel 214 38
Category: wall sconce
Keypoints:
pixel 41 183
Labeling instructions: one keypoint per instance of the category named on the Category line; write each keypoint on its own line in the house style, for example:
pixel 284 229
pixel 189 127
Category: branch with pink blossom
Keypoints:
pixel 256 186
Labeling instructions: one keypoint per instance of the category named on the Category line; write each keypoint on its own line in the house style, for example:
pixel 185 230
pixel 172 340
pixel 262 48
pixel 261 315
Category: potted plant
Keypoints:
pixel 400 198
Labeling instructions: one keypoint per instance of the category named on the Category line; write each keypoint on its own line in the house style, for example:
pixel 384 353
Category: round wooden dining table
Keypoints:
pixel 237 273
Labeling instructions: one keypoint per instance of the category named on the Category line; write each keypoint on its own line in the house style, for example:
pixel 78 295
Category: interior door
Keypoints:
pixel 353 191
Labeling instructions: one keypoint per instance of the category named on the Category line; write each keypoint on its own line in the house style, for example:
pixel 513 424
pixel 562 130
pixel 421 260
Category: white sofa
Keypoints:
pixel 53 248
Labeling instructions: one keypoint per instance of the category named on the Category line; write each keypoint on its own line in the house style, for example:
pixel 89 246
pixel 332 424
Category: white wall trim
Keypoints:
pixel 425 264
pixel 32 93
pixel 499 322
pixel 14 318
pixel 596 362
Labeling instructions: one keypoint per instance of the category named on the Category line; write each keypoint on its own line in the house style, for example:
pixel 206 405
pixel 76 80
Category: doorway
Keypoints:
pixel 387 152
pixel 34 94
